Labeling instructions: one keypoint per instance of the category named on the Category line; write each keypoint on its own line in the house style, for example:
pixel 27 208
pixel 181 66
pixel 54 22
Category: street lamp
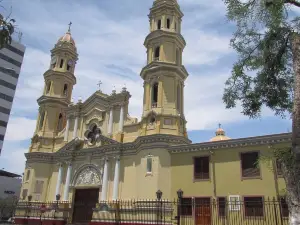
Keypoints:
pixel 159 194
pixel 179 193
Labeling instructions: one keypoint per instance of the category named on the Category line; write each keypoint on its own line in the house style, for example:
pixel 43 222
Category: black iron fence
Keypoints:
pixel 183 211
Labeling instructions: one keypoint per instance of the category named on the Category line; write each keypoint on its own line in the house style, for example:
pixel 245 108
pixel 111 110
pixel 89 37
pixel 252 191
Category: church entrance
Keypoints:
pixel 85 201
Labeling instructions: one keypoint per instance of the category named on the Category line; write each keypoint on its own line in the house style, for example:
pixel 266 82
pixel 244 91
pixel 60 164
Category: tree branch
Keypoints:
pixel 293 2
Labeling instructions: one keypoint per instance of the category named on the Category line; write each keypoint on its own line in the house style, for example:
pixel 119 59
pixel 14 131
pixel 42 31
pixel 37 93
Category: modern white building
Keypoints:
pixel 11 58
pixel 10 184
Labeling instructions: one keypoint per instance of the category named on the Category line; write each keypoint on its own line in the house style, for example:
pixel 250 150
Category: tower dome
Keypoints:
pixel 220 135
pixel 67 37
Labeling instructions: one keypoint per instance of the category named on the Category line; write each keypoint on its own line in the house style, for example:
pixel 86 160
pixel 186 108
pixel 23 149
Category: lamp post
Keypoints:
pixel 158 197
pixel 179 195
pixel 57 200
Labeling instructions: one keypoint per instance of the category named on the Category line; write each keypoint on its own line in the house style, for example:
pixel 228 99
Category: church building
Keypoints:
pixel 93 149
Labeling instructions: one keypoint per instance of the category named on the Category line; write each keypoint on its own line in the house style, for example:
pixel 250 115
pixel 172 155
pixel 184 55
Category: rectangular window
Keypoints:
pixel 8 85
pixel 254 206
pixel 61 63
pixel 284 207
pixel 15 50
pixel 38 189
pixel 6 97
pixel 222 206
pixel 24 193
pixel 234 203
pixel 4 110
pixel 3 123
pixel 201 168
pixel 278 168
pixel 186 208
pixel 9 72
pixel 10 60
pixel 249 164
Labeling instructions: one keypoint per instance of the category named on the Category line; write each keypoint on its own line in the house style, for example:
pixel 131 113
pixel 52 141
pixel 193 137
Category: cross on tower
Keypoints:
pixel 99 84
pixel 219 125
pixel 69 26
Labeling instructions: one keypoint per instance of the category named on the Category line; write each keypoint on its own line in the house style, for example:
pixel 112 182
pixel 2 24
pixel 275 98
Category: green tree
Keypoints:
pixel 7 28
pixel 267 73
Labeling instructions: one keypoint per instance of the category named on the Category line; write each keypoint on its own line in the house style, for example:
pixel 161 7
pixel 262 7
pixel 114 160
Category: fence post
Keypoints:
pixel 179 195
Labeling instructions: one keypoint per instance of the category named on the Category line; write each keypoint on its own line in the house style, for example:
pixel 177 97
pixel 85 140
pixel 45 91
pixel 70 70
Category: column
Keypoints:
pixel 116 179
pixel 67 184
pixel 75 127
pixel 104 181
pixel 121 121
pixel 58 183
pixel 110 123
pixel 67 130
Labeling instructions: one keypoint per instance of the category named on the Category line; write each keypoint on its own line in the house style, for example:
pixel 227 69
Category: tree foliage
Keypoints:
pixel 263 74
pixel 7 28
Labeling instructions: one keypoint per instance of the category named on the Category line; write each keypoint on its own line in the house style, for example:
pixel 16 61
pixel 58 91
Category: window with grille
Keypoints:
pixel 234 202
pixel 38 188
pixel 249 164
pixel 186 208
pixel 222 206
pixel 284 207
pixel 254 206
pixel 201 168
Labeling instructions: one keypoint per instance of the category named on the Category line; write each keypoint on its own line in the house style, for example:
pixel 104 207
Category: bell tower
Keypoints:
pixel 164 74
pixel 59 82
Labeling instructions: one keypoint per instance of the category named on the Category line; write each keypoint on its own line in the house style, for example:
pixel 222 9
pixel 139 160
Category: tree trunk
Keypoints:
pixel 291 168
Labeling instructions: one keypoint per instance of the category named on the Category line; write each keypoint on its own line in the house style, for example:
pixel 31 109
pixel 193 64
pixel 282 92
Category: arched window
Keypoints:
pixel 48 87
pixel 149 164
pixel 168 23
pixel 156 53
pixel 42 118
pixel 61 63
pixel 158 24
pixel 27 175
pixel 178 97
pixel 65 92
pixel 60 123
pixel 154 95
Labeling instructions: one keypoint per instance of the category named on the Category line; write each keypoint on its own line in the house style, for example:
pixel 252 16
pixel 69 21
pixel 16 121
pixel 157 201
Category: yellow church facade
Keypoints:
pixel 94 146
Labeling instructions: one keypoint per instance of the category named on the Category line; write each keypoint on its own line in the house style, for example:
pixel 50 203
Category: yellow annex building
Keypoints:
pixel 94 149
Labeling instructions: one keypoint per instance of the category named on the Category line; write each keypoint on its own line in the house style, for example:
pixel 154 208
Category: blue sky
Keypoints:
pixel 109 36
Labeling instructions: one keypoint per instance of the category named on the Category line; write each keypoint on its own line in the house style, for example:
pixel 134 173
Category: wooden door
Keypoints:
pixel 85 201
pixel 202 211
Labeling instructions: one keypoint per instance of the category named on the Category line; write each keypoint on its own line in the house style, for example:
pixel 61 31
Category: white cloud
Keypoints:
pixel 19 129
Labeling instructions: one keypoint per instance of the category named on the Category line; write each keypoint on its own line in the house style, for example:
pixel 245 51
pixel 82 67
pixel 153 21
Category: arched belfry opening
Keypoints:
pixel 65 91
pixel 178 97
pixel 60 123
pixel 154 95
pixel 61 63
pixel 42 119
pixel 158 24
pixel 168 23
pixel 48 87
pixel 157 53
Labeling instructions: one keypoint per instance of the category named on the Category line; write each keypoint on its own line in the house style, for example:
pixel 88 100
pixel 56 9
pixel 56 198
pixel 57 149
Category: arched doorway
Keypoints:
pixel 87 183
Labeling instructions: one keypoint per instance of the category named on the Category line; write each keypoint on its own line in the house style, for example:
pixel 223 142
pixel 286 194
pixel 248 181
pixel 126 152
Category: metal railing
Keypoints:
pixel 183 211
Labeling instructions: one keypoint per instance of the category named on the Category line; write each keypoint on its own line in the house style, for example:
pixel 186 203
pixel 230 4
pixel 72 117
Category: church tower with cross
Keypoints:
pixel 164 74
pixel 59 81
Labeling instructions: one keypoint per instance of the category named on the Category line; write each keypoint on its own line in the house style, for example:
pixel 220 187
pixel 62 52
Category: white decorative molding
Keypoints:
pixel 88 175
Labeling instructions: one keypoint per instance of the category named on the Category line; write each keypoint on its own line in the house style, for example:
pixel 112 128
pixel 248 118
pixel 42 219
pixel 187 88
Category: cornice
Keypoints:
pixel 158 34
pixel 174 144
pixel 46 99
pixel 163 5
pixel 159 66
pixel 54 73
pixel 234 143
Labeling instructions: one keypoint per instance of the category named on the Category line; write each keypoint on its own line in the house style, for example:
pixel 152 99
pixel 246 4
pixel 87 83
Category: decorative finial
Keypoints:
pixel 99 84
pixel 114 90
pixel 219 125
pixel 69 30
pixel 80 100
pixel 124 88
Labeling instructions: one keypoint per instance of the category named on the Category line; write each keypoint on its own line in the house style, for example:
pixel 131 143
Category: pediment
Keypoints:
pixel 100 140
pixel 71 146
